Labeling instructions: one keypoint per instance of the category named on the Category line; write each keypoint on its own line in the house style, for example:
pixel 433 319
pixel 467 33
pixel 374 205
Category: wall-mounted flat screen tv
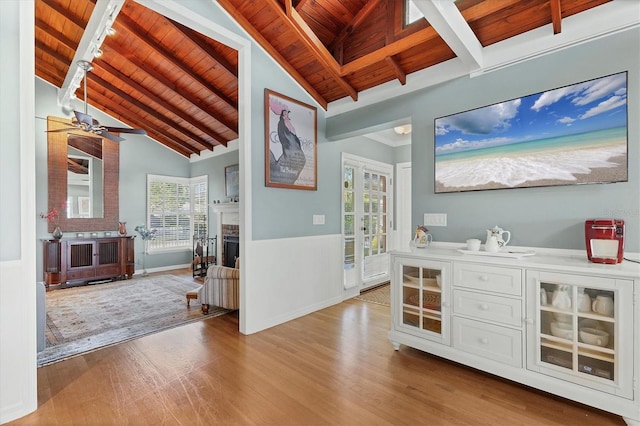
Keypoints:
pixel 575 134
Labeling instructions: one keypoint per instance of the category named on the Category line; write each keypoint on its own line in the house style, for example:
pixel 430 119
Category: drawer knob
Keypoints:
pixel 484 278
pixel 484 307
pixel 484 340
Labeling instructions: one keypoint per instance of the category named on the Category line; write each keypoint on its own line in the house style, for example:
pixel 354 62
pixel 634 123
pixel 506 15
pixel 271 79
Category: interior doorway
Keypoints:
pixel 367 210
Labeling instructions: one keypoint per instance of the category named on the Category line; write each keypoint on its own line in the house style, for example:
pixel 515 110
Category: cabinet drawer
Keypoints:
pixel 500 344
pixel 489 278
pixel 80 274
pixel 108 271
pixel 488 307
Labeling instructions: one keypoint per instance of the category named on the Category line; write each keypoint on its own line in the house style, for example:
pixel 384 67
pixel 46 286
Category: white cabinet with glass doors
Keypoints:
pixel 422 297
pixel 580 328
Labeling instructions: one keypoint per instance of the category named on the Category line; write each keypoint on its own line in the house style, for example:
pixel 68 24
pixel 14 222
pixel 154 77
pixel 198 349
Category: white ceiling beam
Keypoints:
pixel 446 19
pixel 602 21
pixel 103 16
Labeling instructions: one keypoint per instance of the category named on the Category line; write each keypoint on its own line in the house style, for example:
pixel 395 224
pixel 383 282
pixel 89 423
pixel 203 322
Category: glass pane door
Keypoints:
pixel 376 259
pixel 421 298
pixel 583 324
pixel 366 216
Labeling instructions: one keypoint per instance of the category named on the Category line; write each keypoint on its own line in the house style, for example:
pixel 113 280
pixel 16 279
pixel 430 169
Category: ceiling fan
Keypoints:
pixel 83 121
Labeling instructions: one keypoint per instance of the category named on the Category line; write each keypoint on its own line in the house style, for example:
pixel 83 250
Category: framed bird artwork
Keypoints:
pixel 291 142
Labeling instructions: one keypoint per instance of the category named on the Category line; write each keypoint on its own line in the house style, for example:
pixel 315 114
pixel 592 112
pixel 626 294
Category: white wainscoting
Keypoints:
pixel 288 278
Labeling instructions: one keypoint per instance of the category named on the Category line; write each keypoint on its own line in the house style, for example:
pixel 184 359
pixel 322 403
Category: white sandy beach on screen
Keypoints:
pixel 605 163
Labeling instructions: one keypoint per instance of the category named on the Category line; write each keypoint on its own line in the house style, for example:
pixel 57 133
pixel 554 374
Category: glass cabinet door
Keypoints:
pixel 579 328
pixel 423 299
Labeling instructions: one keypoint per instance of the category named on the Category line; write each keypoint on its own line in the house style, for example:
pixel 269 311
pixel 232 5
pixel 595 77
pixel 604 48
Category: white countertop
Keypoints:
pixel 559 260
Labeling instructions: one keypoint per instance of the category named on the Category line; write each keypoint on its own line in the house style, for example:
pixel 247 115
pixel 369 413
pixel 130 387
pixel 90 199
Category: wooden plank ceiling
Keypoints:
pixel 182 88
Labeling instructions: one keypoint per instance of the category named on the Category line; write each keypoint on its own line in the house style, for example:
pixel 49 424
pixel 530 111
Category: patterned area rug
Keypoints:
pixel 380 295
pixel 86 318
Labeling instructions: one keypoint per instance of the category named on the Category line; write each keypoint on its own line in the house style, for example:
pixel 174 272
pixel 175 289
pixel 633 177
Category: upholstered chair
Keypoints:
pixel 221 288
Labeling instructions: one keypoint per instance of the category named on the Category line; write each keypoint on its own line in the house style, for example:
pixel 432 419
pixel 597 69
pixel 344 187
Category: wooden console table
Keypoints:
pixel 88 259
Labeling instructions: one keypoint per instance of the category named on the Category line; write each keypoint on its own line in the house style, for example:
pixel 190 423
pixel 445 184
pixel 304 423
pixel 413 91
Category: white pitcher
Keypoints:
pixel 500 234
pixel 561 298
pixel 492 244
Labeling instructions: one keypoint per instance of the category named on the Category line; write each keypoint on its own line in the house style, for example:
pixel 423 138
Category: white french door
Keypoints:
pixel 366 220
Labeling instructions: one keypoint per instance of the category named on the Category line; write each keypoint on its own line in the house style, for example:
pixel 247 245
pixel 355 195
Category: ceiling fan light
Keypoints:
pixel 403 130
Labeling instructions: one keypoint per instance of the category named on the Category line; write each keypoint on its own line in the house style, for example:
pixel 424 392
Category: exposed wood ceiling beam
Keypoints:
pixel 111 108
pixel 255 34
pixel 556 16
pixel 55 55
pixel 389 50
pixel 190 34
pixel 149 110
pixel 454 30
pixel 64 12
pixel 355 23
pixel 130 26
pixel 161 102
pixel 56 34
pixel 169 85
pixel 485 8
pixel 293 18
pixel 397 69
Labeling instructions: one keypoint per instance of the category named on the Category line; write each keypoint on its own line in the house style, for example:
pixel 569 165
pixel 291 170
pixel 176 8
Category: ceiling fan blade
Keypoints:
pixel 108 135
pixel 126 130
pixel 84 118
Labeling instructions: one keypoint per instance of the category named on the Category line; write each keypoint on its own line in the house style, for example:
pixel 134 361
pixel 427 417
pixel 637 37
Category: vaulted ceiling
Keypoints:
pixel 182 87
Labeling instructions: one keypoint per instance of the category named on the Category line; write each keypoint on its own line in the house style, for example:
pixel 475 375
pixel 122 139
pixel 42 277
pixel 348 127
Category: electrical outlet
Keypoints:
pixel 435 219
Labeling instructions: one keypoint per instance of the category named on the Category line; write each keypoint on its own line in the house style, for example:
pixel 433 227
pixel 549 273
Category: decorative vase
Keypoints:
pixel 122 228
pixel 57 233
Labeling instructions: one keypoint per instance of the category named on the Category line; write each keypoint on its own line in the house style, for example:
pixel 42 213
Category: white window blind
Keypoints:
pixel 176 209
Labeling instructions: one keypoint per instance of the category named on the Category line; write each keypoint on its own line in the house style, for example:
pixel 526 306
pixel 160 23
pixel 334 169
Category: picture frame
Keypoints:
pixel 232 180
pixel 571 135
pixel 293 164
pixel 84 206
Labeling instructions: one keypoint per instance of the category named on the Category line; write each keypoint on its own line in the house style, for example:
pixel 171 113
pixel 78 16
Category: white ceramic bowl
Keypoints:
pixel 413 276
pixel 562 317
pixel 562 330
pixel 593 336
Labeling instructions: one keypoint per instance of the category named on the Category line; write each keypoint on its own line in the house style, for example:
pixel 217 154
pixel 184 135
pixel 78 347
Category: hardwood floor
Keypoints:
pixel 332 367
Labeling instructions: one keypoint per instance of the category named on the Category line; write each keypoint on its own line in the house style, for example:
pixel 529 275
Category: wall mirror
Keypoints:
pixel 83 172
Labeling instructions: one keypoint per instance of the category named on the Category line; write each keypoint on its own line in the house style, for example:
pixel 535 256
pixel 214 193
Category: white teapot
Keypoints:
pixel 498 232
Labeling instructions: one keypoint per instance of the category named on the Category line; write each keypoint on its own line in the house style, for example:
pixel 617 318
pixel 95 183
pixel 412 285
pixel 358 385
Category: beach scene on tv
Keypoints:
pixel 570 135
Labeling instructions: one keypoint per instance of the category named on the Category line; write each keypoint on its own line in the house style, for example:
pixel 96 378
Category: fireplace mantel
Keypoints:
pixel 226 214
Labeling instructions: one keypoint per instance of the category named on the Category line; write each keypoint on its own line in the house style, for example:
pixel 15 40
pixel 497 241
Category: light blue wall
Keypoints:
pixel 538 217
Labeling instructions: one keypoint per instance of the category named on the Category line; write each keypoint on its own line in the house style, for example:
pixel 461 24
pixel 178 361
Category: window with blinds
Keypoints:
pixel 177 209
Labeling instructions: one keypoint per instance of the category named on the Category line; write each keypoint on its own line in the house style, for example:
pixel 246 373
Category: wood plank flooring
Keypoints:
pixel 332 367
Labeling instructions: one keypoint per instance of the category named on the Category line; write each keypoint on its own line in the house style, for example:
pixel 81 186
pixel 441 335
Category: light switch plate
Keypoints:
pixel 318 219
pixel 435 219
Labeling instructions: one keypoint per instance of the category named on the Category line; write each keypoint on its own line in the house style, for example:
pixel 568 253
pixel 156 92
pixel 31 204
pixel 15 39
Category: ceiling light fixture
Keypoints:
pixel 403 130
pixel 110 31
pixel 97 52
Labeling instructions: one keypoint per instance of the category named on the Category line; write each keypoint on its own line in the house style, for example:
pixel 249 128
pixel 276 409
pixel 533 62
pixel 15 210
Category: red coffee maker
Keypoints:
pixel 605 240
